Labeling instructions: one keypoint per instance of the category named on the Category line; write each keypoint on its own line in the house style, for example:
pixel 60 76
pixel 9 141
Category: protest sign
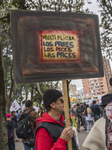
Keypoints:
pixel 59 46
pixel 15 106
pixel 53 46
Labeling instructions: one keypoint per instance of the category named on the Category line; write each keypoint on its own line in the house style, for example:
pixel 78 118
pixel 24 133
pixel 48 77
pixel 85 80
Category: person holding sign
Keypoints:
pixel 50 131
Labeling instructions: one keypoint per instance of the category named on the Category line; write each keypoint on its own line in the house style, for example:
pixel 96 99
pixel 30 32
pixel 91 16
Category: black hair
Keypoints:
pixel 41 108
pixel 86 109
pixel 28 103
pixel 12 112
pixel 85 103
pixel 94 102
pixel 48 108
pixel 78 104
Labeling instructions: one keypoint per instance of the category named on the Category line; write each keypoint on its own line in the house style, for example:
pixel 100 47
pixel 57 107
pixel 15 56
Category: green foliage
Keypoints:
pixel 1 1
pixel 106 27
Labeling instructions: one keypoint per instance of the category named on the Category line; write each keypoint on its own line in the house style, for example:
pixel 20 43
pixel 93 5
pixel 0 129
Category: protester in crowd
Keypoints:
pixel 10 129
pixel 40 111
pixel 101 108
pixel 14 118
pixel 20 113
pixel 50 133
pixel 73 115
pixel 99 138
pixel 17 115
pixel 96 110
pixel 33 116
pixel 83 117
pixel 97 101
pixel 89 118
pixel 78 111
pixel 85 104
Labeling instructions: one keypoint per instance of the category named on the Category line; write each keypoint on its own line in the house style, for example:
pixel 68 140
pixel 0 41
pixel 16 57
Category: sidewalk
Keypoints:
pixel 19 145
pixel 82 135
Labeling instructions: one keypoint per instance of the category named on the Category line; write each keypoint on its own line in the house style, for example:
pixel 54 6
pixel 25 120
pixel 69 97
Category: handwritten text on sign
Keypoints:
pixel 59 46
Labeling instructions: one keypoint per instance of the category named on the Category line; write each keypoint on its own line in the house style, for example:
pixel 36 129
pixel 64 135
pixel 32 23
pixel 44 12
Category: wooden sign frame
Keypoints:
pixel 30 65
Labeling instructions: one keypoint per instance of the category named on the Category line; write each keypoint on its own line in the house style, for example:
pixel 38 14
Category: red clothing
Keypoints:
pixel 43 140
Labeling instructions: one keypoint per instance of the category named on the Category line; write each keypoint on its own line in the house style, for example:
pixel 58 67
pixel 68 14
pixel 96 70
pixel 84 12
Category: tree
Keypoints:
pixel 106 27
pixel 3 131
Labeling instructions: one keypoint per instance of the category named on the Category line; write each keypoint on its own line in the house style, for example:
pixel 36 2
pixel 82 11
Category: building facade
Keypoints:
pixel 95 87
pixel 73 93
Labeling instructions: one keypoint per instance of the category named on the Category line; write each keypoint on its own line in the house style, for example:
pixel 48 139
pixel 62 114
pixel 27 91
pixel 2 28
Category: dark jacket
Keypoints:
pixel 95 109
pixel 43 137
pixel 82 109
pixel 78 110
pixel 14 118
pixel 10 127
pixel 49 132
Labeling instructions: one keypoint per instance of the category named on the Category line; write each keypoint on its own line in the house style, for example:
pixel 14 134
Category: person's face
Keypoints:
pixel 40 110
pixel 14 113
pixel 74 106
pixel 8 118
pixel 59 105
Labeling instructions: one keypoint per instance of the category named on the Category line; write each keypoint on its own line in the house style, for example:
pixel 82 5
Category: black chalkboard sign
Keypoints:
pixel 49 46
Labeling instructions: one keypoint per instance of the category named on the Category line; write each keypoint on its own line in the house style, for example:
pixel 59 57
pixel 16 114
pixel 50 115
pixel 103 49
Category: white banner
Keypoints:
pixel 42 102
pixel 23 107
pixel 36 108
pixel 15 106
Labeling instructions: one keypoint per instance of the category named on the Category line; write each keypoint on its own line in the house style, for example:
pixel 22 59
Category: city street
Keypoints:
pixel 82 135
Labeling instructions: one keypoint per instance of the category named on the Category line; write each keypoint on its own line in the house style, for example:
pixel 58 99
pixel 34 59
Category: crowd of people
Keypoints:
pixel 48 131
pixel 85 115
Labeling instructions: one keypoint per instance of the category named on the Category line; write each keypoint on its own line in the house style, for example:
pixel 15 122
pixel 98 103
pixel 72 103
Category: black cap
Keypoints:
pixel 94 102
pixel 106 99
pixel 50 96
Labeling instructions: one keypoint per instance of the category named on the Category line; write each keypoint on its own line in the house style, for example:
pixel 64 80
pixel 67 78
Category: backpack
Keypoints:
pixel 23 129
